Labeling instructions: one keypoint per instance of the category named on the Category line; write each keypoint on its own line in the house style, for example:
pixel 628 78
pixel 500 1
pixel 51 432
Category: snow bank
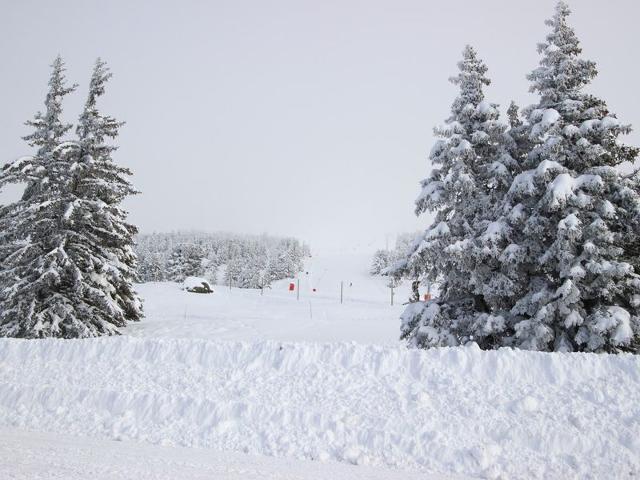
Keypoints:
pixel 453 410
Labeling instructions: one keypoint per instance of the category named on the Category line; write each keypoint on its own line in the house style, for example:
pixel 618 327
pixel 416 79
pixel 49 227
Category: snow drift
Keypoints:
pixel 451 410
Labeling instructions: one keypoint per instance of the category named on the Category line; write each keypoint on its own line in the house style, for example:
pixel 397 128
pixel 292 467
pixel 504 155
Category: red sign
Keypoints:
pixel 292 287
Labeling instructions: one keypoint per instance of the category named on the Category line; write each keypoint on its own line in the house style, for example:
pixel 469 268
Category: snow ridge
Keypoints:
pixel 448 410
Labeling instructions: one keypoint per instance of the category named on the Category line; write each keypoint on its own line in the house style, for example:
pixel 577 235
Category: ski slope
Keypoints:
pixel 242 385
pixel 365 315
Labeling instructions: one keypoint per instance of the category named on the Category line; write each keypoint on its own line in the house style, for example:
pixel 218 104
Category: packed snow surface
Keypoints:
pixel 458 410
pixel 45 455
pixel 312 382
pixel 365 314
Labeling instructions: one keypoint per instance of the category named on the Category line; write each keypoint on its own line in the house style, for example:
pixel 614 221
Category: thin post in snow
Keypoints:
pixel 341 290
pixel 298 290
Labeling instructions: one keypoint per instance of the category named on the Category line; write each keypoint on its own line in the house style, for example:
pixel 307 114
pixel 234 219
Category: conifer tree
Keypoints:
pixel 233 272
pixel 62 274
pixel 48 127
pixel 382 259
pixel 156 269
pixel 573 212
pixel 472 171
pixel 39 284
pixel 211 263
pixel 98 188
pixel 33 257
pixel 279 265
pixel 186 260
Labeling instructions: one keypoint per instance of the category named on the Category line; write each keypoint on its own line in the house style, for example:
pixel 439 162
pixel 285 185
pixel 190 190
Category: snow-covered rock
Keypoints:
pixel 197 285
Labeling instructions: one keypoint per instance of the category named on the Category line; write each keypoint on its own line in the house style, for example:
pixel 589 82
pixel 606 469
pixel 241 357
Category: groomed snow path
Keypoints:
pixel 500 414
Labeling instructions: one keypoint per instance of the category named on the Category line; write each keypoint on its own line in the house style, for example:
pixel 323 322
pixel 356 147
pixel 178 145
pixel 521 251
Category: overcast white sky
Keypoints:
pixel 289 117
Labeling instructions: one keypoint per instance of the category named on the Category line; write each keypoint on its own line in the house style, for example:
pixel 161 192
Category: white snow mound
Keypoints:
pixel 498 414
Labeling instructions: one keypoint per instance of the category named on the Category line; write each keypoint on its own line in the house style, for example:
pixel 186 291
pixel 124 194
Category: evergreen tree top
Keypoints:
pixel 49 128
pixel 568 124
pixel 92 126
pixel 471 80
pixel 561 72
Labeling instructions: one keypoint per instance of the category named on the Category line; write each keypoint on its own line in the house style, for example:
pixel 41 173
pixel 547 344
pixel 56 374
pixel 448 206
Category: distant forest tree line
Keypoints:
pixel 243 261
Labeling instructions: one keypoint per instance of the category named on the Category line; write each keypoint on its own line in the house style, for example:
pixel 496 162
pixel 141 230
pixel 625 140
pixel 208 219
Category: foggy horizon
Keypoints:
pixel 298 119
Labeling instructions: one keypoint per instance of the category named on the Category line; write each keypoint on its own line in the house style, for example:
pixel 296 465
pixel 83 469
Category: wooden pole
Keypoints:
pixel 298 290
pixel 341 291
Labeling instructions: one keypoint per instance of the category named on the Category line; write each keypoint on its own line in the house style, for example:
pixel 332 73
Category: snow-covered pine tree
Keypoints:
pixel 186 260
pixel 286 261
pixel 210 265
pixel 630 242
pixel 46 286
pixel 295 256
pixel 393 262
pixel 502 283
pixel 48 131
pixel 256 269
pixel 233 271
pixel 48 127
pixel 98 188
pixel 249 268
pixel 572 211
pixel 175 264
pixel 280 265
pixel 155 268
pixel 32 264
pixel 382 259
pixel 471 172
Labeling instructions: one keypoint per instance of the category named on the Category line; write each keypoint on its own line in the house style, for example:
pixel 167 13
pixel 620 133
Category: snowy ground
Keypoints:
pixel 265 376
pixel 44 455
pixel 365 316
